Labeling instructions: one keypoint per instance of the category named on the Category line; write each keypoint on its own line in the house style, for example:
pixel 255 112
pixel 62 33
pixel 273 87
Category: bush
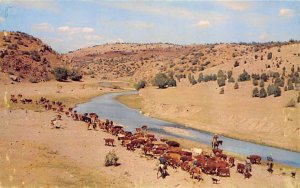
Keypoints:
pixel 229 74
pixel 222 91
pixel 33 80
pixel 171 82
pixel 262 83
pixel 61 73
pixel 264 77
pixel 262 93
pixel 277 91
pixel 140 85
pixel 192 79
pixel 160 80
pixel 254 82
pixel 220 74
pixel 35 56
pixel 291 103
pixel 231 79
pixel 244 76
pixel 200 77
pixel 255 92
pixel 221 81
pixel 74 75
pixel 269 55
pixel 270 89
pixel 298 99
pixel 236 85
pixel 290 85
pixel 279 82
pixel 236 64
pixel 111 159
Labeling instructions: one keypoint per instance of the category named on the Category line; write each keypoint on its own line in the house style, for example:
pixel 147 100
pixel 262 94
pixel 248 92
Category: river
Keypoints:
pixel 107 107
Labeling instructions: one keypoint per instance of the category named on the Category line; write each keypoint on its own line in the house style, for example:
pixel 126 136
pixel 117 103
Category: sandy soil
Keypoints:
pixel 235 113
pixel 34 154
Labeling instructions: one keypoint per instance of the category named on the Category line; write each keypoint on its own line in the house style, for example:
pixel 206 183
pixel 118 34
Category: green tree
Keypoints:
pixel 160 80
pixel 61 73
pixel 141 84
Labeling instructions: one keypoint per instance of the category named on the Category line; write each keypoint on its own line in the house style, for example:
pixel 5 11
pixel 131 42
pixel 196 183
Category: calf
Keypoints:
pixel 240 168
pixel 109 141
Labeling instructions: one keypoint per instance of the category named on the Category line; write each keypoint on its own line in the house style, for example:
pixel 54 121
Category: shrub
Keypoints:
pixel 222 91
pixel 269 55
pixel 192 79
pixel 33 80
pixel 171 82
pixel 229 74
pixel 255 92
pixel 298 99
pixel 111 159
pixel 270 89
pixel 221 81
pixel 279 82
pixel 290 85
pixel 160 80
pixel 220 74
pixel 231 79
pixel 200 77
pixel 236 64
pixel 61 73
pixel 277 91
pixel 244 76
pixel 291 103
pixel 35 56
pixel 236 85
pixel 254 82
pixel 264 77
pixel 262 83
pixel 74 75
pixel 262 93
pixel 140 85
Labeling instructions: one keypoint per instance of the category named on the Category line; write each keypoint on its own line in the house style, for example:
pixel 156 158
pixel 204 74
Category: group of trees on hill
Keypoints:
pixel 62 74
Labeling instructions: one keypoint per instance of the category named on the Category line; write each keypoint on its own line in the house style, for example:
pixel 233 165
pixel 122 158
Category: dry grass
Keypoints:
pixel 132 101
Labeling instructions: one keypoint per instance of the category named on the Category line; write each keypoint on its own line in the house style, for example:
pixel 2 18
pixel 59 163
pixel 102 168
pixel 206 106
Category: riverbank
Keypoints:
pixel 262 122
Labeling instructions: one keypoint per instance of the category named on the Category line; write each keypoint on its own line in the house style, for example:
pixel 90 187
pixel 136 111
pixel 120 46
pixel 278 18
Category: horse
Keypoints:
pixel 162 169
pixel 215 143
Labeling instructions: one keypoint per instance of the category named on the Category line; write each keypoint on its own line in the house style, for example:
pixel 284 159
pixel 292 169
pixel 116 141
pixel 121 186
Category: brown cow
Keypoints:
pixel 223 172
pixel 217 151
pixel 254 159
pixel 231 161
pixel 109 141
pixel 196 173
pixel 240 168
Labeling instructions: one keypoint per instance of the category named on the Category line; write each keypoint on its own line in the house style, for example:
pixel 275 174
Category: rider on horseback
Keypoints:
pixel 214 140
pixel 162 167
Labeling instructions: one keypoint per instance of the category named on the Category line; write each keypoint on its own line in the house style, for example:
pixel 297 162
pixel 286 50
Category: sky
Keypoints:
pixel 69 25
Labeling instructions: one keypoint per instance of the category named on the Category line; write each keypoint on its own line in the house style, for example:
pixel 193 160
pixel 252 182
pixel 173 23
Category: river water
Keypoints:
pixel 107 107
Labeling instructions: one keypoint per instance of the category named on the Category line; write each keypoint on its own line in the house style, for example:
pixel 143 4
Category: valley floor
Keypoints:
pixel 34 155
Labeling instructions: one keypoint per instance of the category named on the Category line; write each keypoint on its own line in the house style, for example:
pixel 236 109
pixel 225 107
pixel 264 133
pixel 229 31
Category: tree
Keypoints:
pixel 171 82
pixel 221 81
pixel 141 84
pixel 75 75
pixel 262 93
pixel 262 83
pixel 200 77
pixel 254 82
pixel 231 79
pixel 270 55
pixel 236 64
pixel 244 76
pixel 290 85
pixel 229 74
pixel 270 89
pixel 277 91
pixel 264 77
pixel 160 80
pixel 236 85
pixel 61 73
pixel 279 82
pixel 255 92
pixel 222 91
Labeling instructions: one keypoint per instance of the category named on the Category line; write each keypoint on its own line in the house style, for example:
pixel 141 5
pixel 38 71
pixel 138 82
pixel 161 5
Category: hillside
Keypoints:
pixel 27 57
pixel 143 61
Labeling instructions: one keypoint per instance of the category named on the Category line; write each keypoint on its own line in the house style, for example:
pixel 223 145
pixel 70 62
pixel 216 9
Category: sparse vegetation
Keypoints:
pixel 111 159
pixel 61 73
pixel 269 55
pixel 141 84
pixel 255 92
pixel 236 85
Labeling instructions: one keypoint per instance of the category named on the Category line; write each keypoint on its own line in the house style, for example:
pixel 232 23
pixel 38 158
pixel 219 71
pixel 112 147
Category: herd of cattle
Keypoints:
pixel 194 161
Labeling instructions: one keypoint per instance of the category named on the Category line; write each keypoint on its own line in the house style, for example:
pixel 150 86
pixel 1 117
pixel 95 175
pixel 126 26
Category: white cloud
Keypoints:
pixel 92 37
pixel 203 24
pixel 264 37
pixel 45 27
pixel 87 30
pixel 74 30
pixel 285 12
pixel 2 19
pixel 33 4
pixel 238 6
pixel 139 25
